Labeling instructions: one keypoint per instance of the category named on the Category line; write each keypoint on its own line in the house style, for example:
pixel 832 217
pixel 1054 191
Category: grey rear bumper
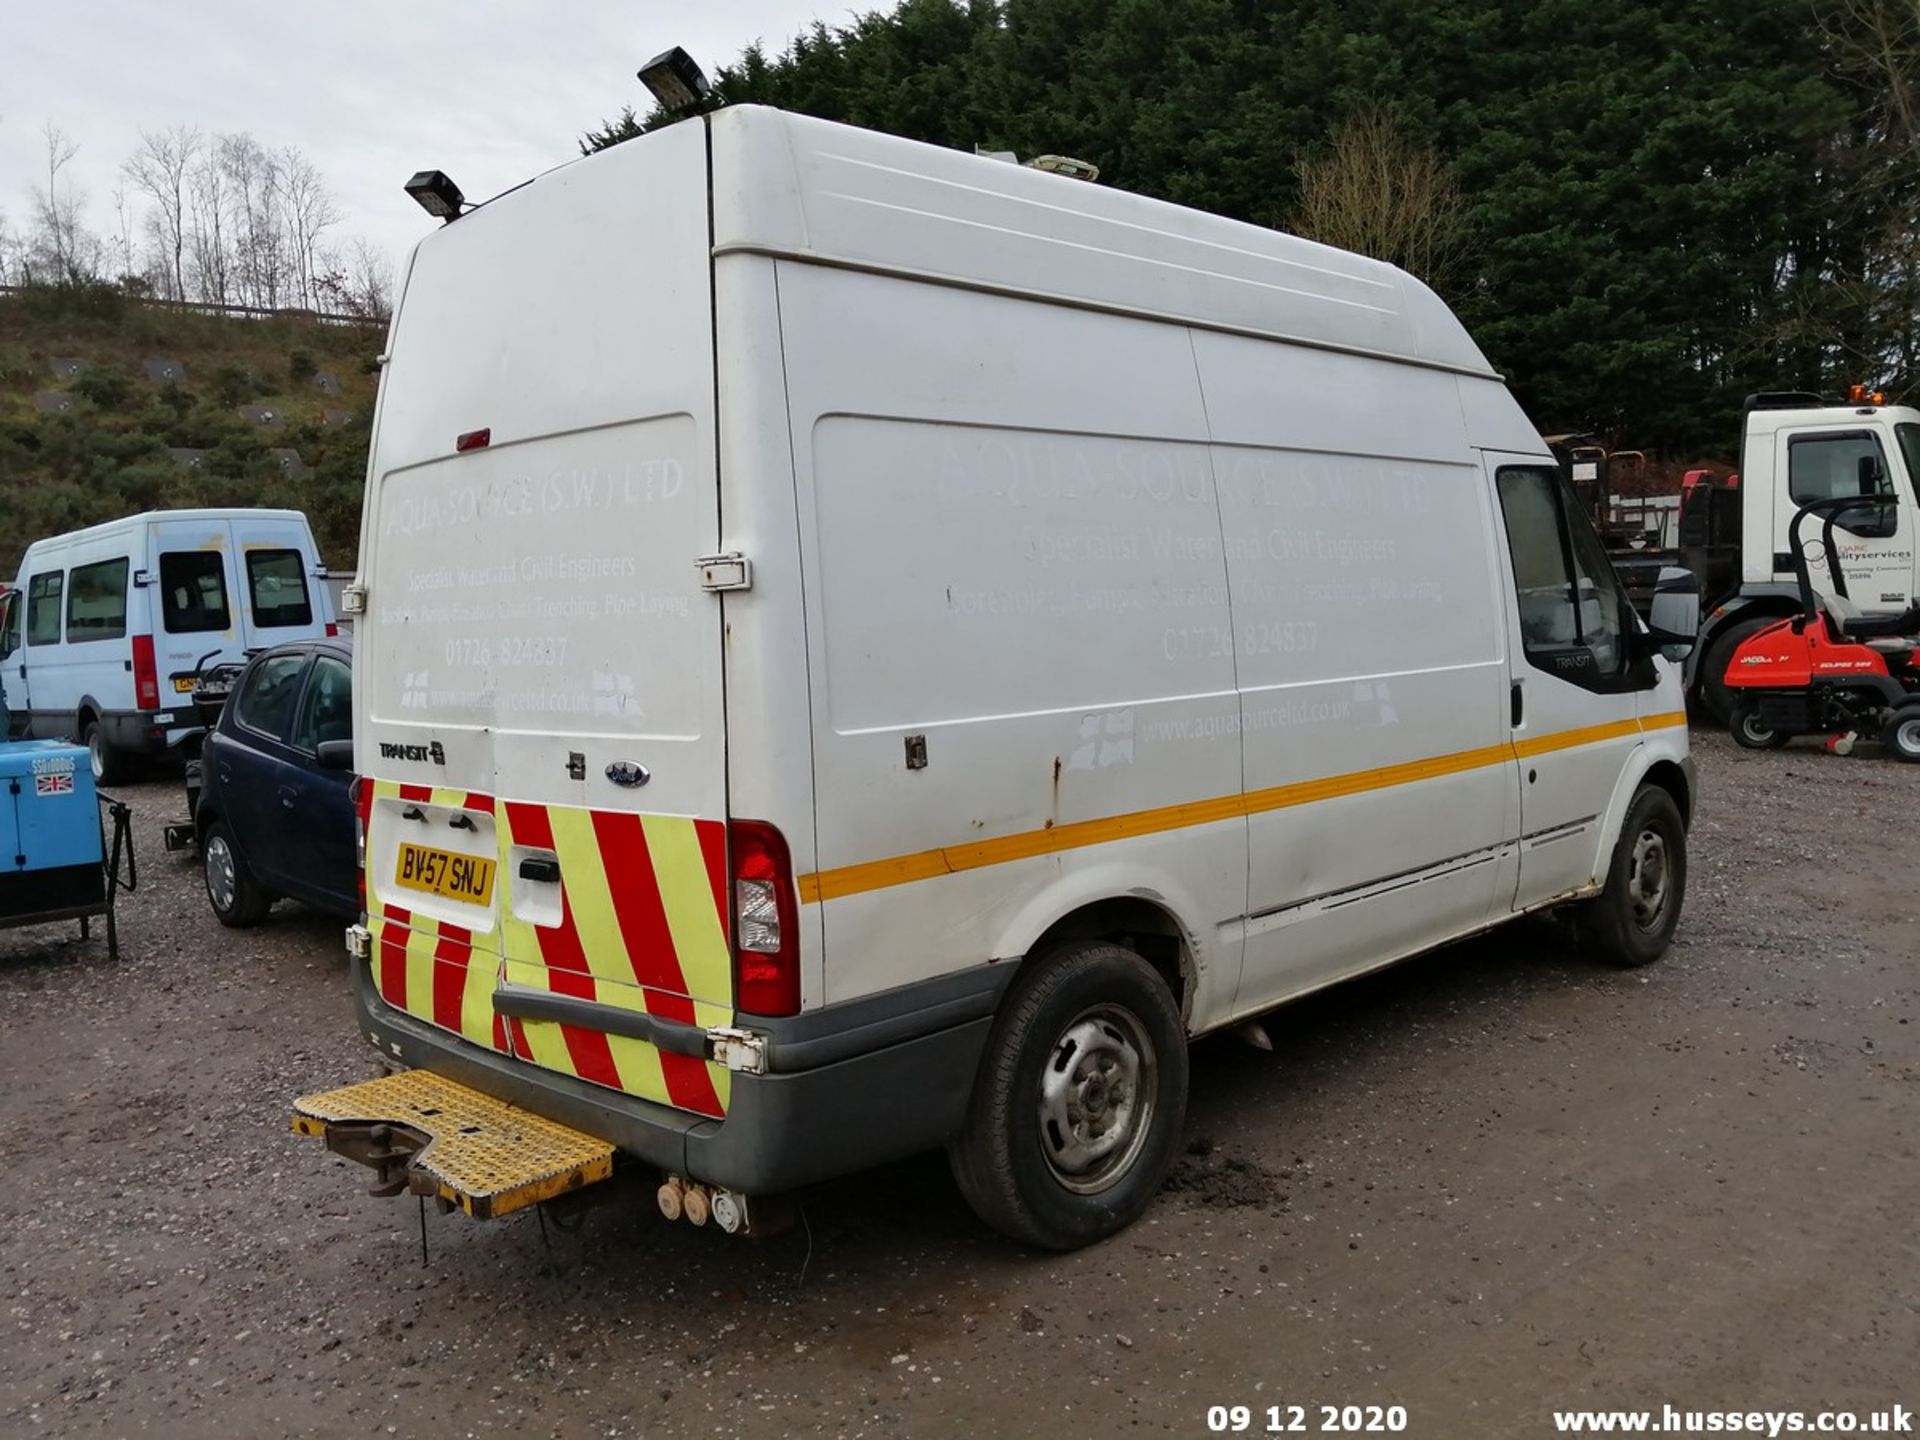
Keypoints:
pixel 849 1086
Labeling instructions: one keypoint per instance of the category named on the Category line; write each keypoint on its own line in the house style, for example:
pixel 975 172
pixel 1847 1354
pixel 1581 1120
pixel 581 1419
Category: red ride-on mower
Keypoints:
pixel 1830 670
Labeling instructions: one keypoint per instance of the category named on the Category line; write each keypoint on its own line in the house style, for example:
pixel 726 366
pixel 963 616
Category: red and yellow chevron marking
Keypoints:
pixel 642 927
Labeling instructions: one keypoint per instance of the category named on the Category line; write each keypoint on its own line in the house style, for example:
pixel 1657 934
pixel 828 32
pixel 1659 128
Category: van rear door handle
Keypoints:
pixel 534 867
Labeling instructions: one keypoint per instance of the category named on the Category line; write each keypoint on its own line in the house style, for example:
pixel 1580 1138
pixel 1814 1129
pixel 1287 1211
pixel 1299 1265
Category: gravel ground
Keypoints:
pixel 1484 1185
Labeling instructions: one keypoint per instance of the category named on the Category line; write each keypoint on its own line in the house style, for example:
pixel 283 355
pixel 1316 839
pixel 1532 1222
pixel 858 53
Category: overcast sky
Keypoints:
pixel 491 91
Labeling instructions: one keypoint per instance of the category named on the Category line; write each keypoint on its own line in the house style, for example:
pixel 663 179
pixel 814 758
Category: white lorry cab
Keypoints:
pixel 106 627
pixel 865 647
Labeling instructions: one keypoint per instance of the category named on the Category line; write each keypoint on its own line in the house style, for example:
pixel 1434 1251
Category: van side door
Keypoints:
pixel 44 593
pixel 1576 682
pixel 19 697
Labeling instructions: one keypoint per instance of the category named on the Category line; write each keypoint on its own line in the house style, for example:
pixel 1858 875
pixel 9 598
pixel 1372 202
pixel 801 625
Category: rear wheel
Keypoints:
pixel 1081 1095
pixel 109 765
pixel 1753 732
pixel 1902 734
pixel 1630 923
pixel 236 900
pixel 1717 697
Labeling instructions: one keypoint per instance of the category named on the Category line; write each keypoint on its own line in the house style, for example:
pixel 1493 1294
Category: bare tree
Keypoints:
pixel 253 185
pixel 308 212
pixel 206 229
pixel 62 249
pixel 1881 39
pixel 159 170
pixel 357 281
pixel 1378 191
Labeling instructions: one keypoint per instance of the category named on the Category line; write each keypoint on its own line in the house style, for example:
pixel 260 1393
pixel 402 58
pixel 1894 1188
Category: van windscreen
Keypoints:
pixel 277 582
pixel 193 591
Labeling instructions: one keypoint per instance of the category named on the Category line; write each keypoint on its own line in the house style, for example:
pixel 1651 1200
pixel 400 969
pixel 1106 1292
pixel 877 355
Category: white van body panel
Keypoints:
pixel 260 572
pixel 1115 570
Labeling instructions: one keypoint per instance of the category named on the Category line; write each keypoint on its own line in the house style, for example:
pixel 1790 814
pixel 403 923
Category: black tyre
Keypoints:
pixel 1077 1111
pixel 236 900
pixel 109 765
pixel 1902 734
pixel 1631 921
pixel 1750 731
pixel 1717 697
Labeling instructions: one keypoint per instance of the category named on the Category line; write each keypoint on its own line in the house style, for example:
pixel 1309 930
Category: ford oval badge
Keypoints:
pixel 628 773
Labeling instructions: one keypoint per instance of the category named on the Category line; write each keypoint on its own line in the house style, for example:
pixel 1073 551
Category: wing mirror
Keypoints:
pixel 1673 622
pixel 335 754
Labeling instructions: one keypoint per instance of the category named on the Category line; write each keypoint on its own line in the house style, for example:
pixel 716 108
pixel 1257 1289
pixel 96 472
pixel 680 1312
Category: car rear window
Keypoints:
pixel 278 581
pixel 193 586
pixel 97 601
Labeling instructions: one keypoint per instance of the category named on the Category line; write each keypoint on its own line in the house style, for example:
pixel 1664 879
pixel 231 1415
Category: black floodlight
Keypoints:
pixel 434 193
pixel 677 83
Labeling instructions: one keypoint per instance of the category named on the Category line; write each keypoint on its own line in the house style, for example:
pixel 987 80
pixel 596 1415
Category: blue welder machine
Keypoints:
pixel 55 864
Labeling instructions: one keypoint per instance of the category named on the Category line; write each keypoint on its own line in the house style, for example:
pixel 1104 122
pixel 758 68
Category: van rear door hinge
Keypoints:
pixel 729 571
pixel 353 600
pixel 737 1049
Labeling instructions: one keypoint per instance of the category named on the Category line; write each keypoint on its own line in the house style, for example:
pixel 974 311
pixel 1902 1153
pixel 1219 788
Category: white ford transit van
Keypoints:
pixel 106 626
pixel 868 648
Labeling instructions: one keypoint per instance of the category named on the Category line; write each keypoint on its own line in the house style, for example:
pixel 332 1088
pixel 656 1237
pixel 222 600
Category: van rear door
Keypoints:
pixel 538 674
pixel 277 570
pixel 195 611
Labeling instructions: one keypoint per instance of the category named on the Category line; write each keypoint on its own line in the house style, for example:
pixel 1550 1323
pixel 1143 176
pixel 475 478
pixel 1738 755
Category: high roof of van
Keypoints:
pixel 145 517
pixel 789 185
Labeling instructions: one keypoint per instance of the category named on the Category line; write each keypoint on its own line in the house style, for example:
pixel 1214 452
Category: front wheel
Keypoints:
pixel 1630 923
pixel 1750 731
pixel 1077 1110
pixel 1902 735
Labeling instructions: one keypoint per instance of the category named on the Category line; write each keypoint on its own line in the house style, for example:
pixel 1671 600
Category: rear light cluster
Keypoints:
pixel 766 920
pixel 146 677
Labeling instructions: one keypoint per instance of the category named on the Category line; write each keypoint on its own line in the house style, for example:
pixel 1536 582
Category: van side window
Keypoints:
pixel 278 582
pixel 43 609
pixel 268 694
pixel 97 601
pixel 1572 609
pixel 193 591
pixel 1826 467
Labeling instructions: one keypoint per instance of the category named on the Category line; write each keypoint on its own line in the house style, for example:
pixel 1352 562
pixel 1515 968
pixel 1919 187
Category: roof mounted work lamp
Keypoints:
pixel 677 83
pixel 434 193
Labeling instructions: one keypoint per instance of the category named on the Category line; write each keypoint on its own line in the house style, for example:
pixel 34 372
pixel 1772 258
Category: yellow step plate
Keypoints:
pixel 482 1154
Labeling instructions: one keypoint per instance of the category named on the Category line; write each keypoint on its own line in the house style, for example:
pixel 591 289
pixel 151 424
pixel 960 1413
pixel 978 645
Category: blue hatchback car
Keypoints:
pixel 275 813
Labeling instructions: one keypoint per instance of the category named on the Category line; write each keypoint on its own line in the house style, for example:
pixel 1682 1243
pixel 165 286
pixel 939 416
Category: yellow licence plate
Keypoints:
pixel 441 872
pixel 183 684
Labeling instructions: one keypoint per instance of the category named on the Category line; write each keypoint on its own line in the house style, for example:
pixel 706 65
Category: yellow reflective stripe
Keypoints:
pixel 680 870
pixel 641 1072
pixel 583 875
pixel 476 1000
pixel 977 854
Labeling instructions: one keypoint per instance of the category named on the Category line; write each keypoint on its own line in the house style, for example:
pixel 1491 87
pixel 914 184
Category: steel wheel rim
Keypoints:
pixel 1906 738
pixel 1755 729
pixel 97 756
pixel 223 882
pixel 1648 875
pixel 1096 1099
